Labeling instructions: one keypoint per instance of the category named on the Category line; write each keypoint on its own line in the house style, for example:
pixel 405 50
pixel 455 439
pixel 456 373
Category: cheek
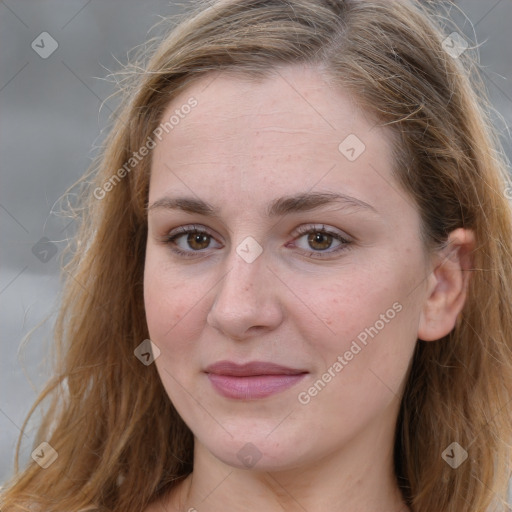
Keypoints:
pixel 173 325
pixel 371 326
pixel 169 305
pixel 338 312
pixel 362 352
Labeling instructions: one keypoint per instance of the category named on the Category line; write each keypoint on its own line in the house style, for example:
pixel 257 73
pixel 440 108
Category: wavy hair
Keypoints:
pixel 120 442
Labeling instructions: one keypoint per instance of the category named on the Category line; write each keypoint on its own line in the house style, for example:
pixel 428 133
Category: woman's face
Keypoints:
pixel 278 271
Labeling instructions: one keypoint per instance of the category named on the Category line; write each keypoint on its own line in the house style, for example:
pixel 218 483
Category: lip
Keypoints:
pixel 253 380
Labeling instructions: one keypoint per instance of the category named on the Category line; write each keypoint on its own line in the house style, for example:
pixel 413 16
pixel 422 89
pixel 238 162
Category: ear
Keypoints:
pixel 447 286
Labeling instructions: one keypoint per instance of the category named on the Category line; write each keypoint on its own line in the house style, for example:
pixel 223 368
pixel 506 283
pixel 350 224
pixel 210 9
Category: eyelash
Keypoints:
pixel 301 231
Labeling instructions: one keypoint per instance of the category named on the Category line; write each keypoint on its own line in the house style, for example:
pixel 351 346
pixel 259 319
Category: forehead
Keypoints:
pixel 288 132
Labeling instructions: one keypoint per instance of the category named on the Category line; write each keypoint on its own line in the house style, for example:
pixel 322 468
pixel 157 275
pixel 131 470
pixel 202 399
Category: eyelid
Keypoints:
pixel 184 230
pixel 307 228
pixel 301 230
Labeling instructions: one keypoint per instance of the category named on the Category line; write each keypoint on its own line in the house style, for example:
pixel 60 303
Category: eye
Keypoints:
pixel 195 238
pixel 320 239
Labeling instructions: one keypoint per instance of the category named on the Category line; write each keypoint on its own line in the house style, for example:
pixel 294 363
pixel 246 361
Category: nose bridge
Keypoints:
pixel 243 298
pixel 245 271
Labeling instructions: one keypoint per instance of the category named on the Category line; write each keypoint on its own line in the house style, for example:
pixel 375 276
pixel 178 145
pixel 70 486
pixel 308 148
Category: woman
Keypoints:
pixel 291 287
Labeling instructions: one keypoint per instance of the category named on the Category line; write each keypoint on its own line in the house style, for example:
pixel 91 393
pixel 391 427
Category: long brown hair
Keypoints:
pixel 119 440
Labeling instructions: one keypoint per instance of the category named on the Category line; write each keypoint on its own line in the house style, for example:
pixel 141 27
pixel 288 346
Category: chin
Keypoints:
pixel 257 452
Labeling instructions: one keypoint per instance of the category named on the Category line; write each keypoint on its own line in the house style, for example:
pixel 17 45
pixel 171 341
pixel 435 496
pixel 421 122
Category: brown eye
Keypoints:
pixel 320 240
pixel 198 241
pixel 189 241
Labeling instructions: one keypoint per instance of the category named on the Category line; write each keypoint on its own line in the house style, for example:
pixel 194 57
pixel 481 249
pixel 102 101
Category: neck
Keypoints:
pixel 359 477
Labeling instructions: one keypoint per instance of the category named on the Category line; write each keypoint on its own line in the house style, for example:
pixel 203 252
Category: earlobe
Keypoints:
pixel 447 286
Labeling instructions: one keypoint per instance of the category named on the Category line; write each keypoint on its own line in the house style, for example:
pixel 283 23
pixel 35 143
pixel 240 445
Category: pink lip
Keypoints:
pixel 251 380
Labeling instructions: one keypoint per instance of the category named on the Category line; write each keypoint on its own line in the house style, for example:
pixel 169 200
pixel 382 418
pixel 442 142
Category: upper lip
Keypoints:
pixel 250 369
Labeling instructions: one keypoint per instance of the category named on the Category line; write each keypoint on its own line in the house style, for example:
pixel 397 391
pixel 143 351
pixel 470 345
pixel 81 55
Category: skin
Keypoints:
pixel 242 146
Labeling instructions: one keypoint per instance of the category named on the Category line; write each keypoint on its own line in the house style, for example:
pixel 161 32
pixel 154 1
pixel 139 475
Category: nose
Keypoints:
pixel 246 300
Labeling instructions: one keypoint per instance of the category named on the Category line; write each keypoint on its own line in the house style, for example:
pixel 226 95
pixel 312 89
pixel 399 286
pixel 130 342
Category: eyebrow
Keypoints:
pixel 281 206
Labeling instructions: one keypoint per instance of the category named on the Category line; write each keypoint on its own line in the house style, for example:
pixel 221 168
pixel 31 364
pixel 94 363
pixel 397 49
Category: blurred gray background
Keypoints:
pixel 50 124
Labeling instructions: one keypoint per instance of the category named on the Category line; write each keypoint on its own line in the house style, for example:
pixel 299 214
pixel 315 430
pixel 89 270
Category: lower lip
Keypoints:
pixel 249 388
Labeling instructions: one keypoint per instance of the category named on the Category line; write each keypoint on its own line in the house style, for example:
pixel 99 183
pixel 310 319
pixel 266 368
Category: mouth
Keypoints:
pixel 252 380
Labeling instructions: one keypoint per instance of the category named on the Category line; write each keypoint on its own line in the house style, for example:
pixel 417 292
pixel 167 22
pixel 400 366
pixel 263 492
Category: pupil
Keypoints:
pixel 198 238
pixel 318 237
